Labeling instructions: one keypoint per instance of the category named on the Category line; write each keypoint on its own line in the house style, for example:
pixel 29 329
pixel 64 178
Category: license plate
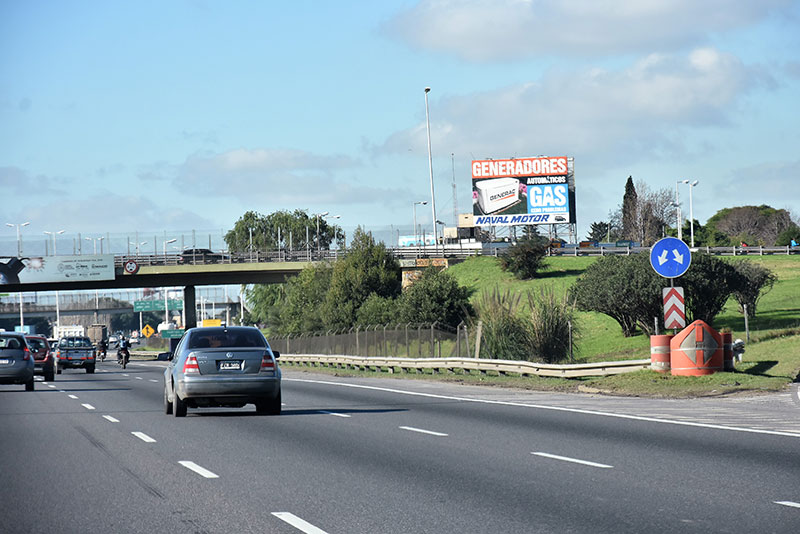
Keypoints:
pixel 230 365
pixel 4 361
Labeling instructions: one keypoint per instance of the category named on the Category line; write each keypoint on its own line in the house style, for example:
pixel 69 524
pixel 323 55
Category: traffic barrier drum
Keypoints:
pixel 727 352
pixel 660 353
pixel 696 350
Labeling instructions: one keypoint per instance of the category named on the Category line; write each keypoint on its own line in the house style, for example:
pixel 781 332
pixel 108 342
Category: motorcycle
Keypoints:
pixel 122 357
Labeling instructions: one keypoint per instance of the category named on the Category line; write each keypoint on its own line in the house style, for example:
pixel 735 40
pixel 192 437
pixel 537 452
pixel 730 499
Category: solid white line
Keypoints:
pixel 88 406
pixel 573 460
pixel 788 503
pixel 299 524
pixel 72 396
pixel 334 413
pixel 553 408
pixel 144 437
pixel 110 418
pixel 202 471
pixel 421 431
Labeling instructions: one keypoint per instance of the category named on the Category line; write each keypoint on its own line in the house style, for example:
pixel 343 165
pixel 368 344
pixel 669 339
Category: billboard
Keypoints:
pixel 56 269
pixel 531 190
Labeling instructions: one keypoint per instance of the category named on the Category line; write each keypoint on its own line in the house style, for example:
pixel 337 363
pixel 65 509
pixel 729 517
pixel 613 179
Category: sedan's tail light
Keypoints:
pixel 190 366
pixel 267 363
pixel 26 354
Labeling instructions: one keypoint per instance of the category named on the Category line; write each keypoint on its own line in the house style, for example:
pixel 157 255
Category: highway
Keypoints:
pixel 96 453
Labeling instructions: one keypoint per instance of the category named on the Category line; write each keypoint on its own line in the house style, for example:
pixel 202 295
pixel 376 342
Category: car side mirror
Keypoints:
pixel 276 354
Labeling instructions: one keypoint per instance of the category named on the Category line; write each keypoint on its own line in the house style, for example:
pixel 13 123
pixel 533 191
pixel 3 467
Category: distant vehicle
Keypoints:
pixel 75 352
pixel 16 360
pixel 69 330
pixel 222 366
pixel 200 255
pixel 43 359
pixel 560 218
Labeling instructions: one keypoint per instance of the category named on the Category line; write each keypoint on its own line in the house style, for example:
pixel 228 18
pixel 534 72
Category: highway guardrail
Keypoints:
pixel 449 365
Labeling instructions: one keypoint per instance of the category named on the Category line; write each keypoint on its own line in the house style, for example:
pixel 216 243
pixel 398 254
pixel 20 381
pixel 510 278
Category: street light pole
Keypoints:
pixel 19 236
pixel 430 169
pixel 317 216
pixel 54 239
pixel 691 209
pixel 678 205
pixel 416 234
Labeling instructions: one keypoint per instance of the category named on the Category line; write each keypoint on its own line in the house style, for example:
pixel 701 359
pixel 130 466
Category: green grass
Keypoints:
pixel 772 357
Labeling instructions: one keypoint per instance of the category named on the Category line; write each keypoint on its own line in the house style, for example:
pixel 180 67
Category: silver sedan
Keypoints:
pixel 222 366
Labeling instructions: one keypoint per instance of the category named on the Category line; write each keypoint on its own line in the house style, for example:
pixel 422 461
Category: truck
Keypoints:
pixel 69 330
pixel 97 333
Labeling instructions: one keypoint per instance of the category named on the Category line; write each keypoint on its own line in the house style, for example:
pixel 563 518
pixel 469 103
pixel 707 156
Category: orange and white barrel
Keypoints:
pixel 659 353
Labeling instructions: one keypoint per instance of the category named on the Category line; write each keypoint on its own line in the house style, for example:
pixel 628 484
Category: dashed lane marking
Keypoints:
pixel 202 471
pixel 88 406
pixel 299 524
pixel 788 503
pixel 334 414
pixel 111 418
pixel 144 437
pixel 423 431
pixel 72 396
pixel 573 460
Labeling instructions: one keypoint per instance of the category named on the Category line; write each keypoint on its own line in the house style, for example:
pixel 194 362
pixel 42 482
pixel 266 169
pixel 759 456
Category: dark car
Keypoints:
pixel 43 359
pixel 75 352
pixel 201 255
pixel 222 366
pixel 16 360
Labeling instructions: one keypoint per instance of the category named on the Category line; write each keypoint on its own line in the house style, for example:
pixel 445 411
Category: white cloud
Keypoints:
pixel 613 117
pixel 486 30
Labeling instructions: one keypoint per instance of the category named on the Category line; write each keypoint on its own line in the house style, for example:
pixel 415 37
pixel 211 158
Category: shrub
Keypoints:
pixel 755 281
pixel 434 297
pixel 525 258
pixel 553 329
pixel 505 334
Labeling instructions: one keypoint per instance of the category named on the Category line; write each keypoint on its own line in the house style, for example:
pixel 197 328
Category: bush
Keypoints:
pixel 435 297
pixel 377 310
pixel 553 329
pixel 755 281
pixel 526 258
pixel 505 334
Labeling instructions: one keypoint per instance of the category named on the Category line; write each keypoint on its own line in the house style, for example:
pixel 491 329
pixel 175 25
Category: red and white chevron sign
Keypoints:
pixel 674 308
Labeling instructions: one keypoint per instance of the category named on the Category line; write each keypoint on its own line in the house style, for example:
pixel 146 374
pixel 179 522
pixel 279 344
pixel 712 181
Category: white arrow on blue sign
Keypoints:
pixel 670 257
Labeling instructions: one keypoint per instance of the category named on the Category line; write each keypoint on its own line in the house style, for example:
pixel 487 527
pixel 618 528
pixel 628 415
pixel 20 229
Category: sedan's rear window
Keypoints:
pixel 230 338
pixel 36 344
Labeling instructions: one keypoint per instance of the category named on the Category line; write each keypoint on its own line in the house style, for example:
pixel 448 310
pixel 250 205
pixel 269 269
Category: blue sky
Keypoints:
pixel 157 116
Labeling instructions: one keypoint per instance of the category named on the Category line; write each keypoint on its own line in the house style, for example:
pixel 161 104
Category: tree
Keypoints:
pixel 435 297
pixel 265 302
pixel 305 295
pixel 367 268
pixel 377 310
pixel 707 285
pixel 602 232
pixel 755 225
pixel 525 258
pixel 755 282
pixel 626 288
pixel 275 230
pixel 629 211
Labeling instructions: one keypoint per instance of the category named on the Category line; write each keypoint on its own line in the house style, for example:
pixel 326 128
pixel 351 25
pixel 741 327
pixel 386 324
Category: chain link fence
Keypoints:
pixel 409 340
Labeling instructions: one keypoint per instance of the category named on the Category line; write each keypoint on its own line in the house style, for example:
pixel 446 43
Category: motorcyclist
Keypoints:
pixel 122 349
pixel 102 349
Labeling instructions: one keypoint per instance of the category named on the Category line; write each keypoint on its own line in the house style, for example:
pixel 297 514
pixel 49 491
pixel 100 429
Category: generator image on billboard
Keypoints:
pixel 531 190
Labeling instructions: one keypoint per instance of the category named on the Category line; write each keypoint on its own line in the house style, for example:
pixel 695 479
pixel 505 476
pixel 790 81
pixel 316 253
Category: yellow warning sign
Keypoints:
pixel 148 331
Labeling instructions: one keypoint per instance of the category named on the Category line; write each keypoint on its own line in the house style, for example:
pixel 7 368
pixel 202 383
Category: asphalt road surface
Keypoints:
pixel 96 453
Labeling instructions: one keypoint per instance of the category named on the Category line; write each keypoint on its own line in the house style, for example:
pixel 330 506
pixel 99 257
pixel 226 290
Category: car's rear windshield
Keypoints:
pixel 36 343
pixel 71 342
pixel 11 342
pixel 226 338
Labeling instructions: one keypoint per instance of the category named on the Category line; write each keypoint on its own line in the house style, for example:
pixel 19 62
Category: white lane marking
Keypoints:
pixel 153 380
pixel 61 391
pixel 553 408
pixel 332 413
pixel 88 406
pixel 421 431
pixel 788 503
pixel 139 378
pixel 144 437
pixel 72 396
pixel 299 524
pixel 125 374
pixel 573 460
pixel 202 471
pixel 51 386
pixel 110 418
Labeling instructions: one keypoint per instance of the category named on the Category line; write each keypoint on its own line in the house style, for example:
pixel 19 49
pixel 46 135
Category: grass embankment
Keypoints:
pixel 771 360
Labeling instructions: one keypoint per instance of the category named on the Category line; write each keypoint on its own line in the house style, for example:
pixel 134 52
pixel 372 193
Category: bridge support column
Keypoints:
pixel 190 307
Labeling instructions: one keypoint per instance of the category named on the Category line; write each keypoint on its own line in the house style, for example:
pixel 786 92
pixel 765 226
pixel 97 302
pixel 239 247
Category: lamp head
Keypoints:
pixel 427 89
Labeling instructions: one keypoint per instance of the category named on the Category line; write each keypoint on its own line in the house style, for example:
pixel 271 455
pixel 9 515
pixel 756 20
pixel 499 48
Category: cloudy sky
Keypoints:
pixel 162 117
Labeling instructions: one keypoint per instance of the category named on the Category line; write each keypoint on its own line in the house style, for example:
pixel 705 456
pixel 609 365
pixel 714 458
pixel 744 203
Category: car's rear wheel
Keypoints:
pixel 167 403
pixel 29 385
pixel 178 406
pixel 49 375
pixel 58 370
pixel 270 406
pixel 90 369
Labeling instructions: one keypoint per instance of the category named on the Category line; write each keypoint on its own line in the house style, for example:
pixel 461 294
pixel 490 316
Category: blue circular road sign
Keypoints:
pixel 670 257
